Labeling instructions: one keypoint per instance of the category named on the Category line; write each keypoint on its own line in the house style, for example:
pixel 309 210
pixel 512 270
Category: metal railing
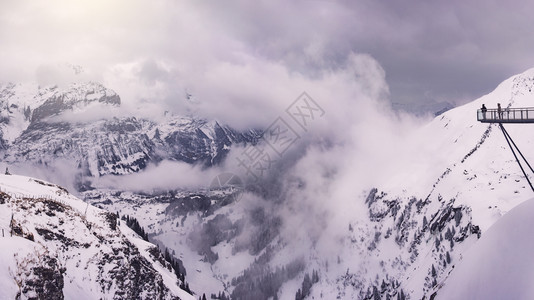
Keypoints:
pixel 506 115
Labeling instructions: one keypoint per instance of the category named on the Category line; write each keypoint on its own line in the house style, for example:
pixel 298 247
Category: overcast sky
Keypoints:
pixel 430 50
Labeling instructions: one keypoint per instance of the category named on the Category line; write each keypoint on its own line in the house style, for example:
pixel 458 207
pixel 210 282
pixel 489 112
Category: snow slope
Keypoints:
pixel 458 170
pixel 63 247
pixel 499 266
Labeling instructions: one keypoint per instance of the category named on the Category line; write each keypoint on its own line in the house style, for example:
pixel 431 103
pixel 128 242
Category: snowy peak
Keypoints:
pixel 56 246
pixel 23 104
pixel 32 95
pixel 75 97
pixel 45 125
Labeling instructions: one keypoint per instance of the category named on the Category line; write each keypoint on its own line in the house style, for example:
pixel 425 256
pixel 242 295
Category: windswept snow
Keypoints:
pixel 500 265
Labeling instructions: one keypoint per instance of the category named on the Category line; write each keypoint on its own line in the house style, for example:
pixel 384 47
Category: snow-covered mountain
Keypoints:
pixel 23 104
pixel 55 246
pixel 461 180
pixel 50 124
pixel 400 238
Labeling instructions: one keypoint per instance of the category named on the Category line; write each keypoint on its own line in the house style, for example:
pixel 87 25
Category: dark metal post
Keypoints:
pixel 517 148
pixel 508 139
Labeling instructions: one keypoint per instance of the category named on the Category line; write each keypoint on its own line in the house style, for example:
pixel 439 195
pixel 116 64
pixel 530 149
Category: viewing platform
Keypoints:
pixel 506 115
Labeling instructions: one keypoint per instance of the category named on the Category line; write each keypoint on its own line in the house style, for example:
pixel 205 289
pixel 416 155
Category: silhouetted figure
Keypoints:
pixel 484 110
pixel 499 110
pixel 7 171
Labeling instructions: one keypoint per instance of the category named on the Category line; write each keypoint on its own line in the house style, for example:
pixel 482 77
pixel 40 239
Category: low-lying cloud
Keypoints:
pixel 166 175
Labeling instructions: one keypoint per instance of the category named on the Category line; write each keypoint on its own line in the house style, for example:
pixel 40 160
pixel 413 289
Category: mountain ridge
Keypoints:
pixel 39 134
pixel 61 247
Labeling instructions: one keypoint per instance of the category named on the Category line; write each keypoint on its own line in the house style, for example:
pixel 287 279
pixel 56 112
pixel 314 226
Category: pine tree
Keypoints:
pixel 168 256
pixel 11 225
pixel 27 113
pixel 315 276
pixel 306 286
pixel 448 234
pixel 402 296
pixel 458 217
pixel 376 294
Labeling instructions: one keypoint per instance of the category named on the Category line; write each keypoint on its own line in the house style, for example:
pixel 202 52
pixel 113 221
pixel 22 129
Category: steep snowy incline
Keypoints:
pixel 55 245
pixel 499 266
pixel 470 161
pixel 456 155
pixel 457 178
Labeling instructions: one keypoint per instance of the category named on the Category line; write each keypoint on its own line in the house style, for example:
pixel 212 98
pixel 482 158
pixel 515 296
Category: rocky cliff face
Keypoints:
pixel 77 96
pixel 32 131
pixel 55 246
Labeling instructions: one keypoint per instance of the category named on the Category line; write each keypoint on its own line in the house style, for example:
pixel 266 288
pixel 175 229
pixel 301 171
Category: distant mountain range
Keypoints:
pixel 434 108
pixel 34 130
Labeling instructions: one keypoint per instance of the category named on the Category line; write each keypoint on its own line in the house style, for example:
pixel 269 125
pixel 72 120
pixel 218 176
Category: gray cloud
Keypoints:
pixel 431 51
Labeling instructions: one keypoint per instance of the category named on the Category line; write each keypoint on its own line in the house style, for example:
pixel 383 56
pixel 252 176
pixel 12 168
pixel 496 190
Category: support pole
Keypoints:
pixel 508 139
pixel 517 148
